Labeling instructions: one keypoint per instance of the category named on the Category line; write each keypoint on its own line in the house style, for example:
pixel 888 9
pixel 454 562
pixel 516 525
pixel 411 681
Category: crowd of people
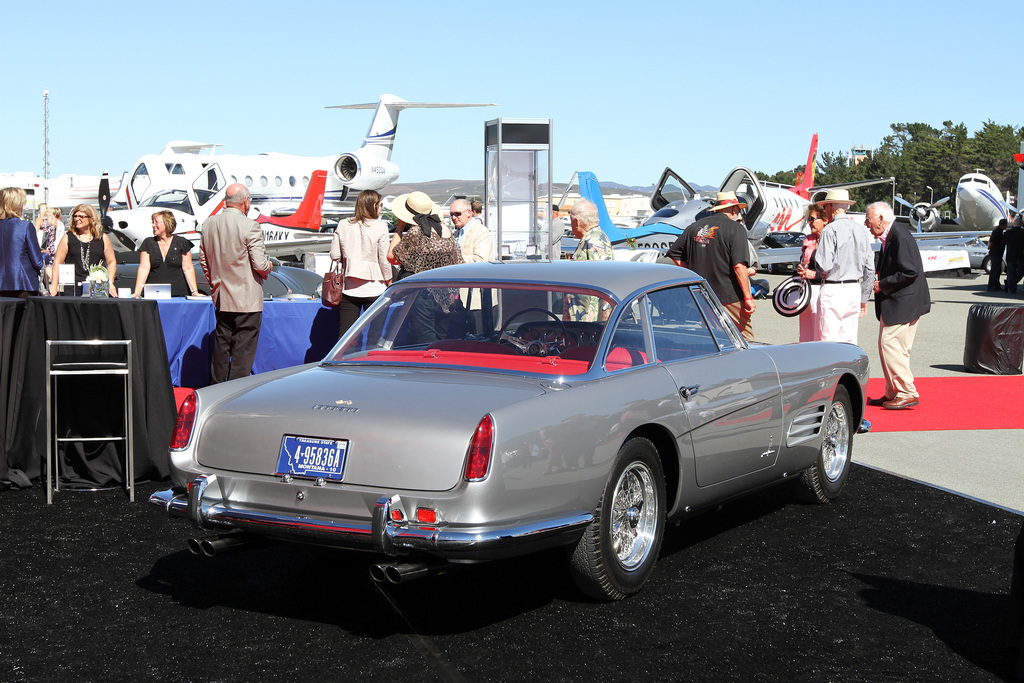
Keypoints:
pixel 837 264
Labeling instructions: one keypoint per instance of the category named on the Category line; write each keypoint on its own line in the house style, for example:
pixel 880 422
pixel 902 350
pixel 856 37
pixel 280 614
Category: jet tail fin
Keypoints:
pixel 807 182
pixel 380 138
pixel 310 211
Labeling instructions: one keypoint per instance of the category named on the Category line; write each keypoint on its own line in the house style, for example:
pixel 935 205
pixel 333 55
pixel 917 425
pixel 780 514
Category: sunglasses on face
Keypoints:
pixel 456 214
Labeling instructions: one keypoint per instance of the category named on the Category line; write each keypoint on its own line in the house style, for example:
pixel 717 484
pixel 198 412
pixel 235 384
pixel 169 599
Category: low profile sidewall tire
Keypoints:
pixel 618 551
pixel 825 480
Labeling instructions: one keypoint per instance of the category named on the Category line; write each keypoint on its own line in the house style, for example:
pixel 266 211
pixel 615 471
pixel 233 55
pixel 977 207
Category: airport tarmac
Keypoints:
pixel 985 465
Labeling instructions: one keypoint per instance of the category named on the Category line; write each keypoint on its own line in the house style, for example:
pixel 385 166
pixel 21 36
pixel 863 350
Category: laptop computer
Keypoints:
pixel 156 291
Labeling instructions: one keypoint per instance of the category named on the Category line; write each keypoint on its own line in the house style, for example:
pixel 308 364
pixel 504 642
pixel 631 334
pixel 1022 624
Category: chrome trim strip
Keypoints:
pixel 382 534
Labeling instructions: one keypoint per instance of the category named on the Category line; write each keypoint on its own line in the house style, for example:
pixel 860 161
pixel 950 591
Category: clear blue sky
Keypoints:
pixel 631 87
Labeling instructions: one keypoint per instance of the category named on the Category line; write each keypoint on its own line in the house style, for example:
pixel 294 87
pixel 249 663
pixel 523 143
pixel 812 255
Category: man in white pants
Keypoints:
pixel 847 264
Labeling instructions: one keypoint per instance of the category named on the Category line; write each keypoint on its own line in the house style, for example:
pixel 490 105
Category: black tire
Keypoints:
pixel 986 265
pixel 825 480
pixel 617 553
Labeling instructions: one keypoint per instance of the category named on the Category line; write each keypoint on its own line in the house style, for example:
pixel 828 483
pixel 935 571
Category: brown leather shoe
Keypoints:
pixel 878 402
pixel 901 403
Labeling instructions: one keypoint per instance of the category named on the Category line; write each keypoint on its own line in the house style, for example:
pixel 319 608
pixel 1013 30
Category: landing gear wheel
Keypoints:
pixel 825 480
pixel 617 552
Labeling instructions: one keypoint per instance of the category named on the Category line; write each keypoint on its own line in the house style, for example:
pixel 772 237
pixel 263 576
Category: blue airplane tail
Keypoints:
pixel 590 189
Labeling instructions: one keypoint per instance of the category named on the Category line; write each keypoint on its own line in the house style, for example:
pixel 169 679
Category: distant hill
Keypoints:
pixel 443 190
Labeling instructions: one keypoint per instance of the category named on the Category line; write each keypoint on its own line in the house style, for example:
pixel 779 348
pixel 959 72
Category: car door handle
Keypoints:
pixel 688 392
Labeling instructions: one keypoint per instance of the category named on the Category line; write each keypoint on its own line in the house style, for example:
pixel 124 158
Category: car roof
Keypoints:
pixel 619 278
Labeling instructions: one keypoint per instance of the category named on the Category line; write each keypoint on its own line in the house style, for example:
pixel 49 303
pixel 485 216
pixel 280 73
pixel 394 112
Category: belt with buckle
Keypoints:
pixel 840 282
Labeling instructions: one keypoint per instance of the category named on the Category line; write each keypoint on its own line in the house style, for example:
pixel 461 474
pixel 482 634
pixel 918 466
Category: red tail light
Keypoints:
pixel 480 450
pixel 183 425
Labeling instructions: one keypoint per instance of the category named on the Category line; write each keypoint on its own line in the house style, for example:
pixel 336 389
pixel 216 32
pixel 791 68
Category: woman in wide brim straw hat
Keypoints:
pixel 422 242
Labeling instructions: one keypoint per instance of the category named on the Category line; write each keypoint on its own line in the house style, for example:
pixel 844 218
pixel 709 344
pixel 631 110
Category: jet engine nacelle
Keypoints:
pixel 360 171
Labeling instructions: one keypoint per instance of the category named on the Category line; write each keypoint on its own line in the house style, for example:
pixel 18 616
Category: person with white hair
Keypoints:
pixel 475 240
pixel 594 245
pixel 901 298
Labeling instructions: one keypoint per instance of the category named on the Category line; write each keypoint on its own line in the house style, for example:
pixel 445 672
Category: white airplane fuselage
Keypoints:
pixel 979 203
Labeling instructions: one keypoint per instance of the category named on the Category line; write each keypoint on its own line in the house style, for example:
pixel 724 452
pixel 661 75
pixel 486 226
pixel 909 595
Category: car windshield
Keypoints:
pixel 547 330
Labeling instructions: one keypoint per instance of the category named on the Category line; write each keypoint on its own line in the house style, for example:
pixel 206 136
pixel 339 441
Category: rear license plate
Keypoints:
pixel 307 456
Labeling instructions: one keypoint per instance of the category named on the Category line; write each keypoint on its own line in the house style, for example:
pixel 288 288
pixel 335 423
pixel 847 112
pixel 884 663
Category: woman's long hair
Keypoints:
pixel 366 206
pixel 95 227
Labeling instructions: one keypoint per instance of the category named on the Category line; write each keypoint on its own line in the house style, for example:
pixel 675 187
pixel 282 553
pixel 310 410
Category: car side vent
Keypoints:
pixel 805 426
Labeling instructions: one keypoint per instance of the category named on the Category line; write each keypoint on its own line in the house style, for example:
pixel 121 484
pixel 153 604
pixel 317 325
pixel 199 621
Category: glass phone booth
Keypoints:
pixel 517 188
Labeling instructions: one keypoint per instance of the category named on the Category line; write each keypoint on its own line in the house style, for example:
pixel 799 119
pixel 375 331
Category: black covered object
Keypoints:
pixel 995 339
pixel 92 406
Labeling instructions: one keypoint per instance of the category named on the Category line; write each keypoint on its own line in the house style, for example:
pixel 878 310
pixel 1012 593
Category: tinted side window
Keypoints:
pixel 717 320
pixel 679 328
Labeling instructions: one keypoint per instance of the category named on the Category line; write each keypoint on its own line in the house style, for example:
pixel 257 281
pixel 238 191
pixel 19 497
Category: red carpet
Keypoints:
pixel 980 402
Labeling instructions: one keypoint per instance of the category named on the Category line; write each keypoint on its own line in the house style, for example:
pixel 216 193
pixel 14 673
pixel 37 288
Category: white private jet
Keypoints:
pixel 278 182
pixel 65 191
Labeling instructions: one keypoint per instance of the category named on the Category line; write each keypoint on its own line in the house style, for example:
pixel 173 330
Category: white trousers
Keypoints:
pixel 839 312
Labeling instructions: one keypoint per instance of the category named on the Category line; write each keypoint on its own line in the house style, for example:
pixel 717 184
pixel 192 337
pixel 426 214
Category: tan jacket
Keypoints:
pixel 235 261
pixel 476 243
pixel 364 247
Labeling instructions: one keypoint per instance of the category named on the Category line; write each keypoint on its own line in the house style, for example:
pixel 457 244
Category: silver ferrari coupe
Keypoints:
pixel 488 410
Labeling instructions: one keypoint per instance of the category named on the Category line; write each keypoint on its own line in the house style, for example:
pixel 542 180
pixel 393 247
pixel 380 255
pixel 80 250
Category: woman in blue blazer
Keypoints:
pixel 20 256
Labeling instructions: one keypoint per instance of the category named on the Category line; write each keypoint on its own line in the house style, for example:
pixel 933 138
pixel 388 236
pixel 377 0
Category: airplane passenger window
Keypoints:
pixel 278 181
pixel 248 181
pixel 263 181
pixel 291 180
pixel 305 180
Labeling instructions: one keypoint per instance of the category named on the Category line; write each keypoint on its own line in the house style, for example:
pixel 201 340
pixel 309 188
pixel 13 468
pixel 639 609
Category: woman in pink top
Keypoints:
pixel 807 269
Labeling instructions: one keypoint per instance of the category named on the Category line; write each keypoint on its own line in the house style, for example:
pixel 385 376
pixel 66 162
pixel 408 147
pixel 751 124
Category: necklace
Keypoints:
pixel 84 249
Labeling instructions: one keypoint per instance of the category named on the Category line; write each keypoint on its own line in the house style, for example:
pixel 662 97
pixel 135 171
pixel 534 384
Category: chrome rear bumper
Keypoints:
pixel 383 535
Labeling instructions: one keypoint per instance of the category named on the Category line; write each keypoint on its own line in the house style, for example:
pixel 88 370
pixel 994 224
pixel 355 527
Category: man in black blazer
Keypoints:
pixel 901 298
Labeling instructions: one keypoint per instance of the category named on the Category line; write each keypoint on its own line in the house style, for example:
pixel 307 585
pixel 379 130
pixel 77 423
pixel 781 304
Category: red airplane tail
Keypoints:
pixel 310 211
pixel 807 181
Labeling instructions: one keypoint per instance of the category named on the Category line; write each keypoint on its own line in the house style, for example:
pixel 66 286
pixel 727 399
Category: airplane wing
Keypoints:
pixel 857 183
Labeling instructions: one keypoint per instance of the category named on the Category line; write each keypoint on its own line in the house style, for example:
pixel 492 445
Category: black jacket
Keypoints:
pixel 903 289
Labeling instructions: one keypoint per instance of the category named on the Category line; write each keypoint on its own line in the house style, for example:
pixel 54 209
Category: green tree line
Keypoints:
pixel 918 156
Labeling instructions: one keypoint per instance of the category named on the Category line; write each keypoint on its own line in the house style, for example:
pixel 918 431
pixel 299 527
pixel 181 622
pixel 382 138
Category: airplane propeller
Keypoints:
pixel 104 201
pixel 922 213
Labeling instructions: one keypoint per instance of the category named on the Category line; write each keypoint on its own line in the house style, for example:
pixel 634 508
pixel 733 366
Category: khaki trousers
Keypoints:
pixel 894 344
pixel 741 318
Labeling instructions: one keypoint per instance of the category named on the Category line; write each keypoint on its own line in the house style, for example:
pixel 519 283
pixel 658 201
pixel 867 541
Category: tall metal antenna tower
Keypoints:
pixel 46 146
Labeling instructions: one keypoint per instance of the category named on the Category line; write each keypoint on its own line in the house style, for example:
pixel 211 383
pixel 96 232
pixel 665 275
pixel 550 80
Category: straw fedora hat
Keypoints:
pixel 838 197
pixel 407 206
pixel 727 200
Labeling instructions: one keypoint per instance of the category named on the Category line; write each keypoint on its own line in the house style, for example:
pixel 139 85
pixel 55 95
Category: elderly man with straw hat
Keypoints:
pixel 716 249
pixel 847 265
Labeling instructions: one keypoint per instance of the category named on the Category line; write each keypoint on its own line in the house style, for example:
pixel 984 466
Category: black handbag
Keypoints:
pixel 333 286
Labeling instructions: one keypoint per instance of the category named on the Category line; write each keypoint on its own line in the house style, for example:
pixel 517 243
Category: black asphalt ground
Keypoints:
pixel 895 581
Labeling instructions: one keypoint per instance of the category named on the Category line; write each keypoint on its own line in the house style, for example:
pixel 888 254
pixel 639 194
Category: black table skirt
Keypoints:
pixel 91 406
pixel 12 311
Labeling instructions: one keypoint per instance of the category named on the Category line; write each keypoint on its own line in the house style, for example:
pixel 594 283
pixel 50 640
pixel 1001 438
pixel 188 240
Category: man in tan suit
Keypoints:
pixel 236 264
pixel 474 238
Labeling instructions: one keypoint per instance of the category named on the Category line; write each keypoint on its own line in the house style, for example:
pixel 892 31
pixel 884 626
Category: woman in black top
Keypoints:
pixel 85 245
pixel 166 258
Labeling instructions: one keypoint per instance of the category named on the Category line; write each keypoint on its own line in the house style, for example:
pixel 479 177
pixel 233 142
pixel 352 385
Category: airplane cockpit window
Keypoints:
pixel 177 169
pixel 170 199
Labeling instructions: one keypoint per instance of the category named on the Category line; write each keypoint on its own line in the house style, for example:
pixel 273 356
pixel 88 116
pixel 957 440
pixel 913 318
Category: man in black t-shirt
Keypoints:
pixel 716 249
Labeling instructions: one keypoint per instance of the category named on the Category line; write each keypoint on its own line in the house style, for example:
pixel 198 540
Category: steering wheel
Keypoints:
pixel 535 347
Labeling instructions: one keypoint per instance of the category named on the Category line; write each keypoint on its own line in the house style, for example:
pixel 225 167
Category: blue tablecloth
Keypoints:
pixel 292 333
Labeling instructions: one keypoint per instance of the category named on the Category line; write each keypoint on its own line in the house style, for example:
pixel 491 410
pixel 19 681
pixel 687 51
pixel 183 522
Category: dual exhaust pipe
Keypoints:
pixel 399 572
pixel 222 545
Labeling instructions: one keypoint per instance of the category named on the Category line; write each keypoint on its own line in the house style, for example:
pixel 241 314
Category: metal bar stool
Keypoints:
pixel 57 365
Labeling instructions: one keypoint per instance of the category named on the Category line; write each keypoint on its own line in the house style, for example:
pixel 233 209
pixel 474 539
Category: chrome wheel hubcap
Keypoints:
pixel 835 448
pixel 634 515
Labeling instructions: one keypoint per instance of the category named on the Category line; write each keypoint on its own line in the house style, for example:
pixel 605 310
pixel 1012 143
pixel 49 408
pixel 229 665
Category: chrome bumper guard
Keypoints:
pixel 383 535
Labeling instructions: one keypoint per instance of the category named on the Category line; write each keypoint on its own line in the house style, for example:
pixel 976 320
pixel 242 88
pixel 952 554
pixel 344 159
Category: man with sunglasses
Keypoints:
pixel 474 238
